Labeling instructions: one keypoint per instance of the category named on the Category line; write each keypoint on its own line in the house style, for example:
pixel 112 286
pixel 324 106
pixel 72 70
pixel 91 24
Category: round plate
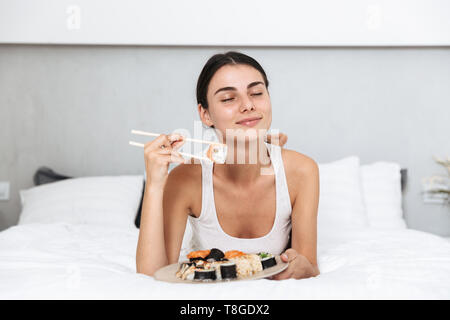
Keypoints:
pixel 167 273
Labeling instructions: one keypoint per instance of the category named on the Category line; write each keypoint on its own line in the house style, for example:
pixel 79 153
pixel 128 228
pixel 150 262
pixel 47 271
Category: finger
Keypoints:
pixel 165 151
pixel 283 139
pixel 175 137
pixel 168 151
pixel 166 144
pixel 277 139
pixel 289 255
pixel 174 156
pixel 176 140
pixel 161 140
pixel 273 139
pixel 171 158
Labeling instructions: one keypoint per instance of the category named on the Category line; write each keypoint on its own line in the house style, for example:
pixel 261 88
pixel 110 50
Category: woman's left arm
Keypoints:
pixel 302 256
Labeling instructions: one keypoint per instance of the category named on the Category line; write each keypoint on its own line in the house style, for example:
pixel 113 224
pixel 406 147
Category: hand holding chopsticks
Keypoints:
pixel 212 143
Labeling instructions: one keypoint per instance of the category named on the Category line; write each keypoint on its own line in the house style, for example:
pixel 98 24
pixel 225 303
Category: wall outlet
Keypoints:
pixel 4 190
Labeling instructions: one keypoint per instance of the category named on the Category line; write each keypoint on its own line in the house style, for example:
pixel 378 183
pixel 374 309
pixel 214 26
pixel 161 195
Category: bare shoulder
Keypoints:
pixel 185 176
pixel 184 186
pixel 300 170
pixel 298 164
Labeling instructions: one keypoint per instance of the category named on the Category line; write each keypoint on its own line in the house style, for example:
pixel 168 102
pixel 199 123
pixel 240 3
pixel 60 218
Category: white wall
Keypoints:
pixel 234 22
pixel 72 108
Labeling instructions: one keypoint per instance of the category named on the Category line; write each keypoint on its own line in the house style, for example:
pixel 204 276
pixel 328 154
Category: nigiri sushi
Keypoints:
pixel 217 153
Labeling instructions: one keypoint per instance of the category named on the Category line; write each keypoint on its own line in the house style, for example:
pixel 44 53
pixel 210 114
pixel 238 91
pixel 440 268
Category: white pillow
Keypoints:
pixel 381 182
pixel 108 200
pixel 341 202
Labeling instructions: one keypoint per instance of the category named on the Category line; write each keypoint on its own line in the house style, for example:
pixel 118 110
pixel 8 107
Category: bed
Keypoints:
pixel 76 239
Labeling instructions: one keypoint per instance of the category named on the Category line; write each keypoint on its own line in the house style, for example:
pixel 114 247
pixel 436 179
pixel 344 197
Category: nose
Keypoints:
pixel 247 104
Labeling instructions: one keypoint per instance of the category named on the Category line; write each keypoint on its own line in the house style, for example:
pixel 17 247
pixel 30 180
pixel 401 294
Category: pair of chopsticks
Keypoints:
pixel 143 133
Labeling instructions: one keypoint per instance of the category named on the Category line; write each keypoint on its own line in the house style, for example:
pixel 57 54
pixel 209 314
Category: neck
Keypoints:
pixel 245 161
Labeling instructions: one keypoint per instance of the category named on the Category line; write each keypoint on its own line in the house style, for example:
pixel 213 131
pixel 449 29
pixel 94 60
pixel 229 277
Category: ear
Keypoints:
pixel 204 115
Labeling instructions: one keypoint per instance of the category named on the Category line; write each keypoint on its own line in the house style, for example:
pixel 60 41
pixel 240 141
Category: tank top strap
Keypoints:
pixel 207 191
pixel 283 198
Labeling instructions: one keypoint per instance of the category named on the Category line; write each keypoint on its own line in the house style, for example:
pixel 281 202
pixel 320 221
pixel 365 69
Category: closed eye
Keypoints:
pixel 225 100
pixel 257 94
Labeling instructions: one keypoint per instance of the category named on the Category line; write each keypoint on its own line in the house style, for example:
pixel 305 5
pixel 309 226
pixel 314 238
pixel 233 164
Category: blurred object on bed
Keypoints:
pixel 106 200
pixel 403 178
pixel 445 163
pixel 46 175
pixel 382 190
pixel 436 189
pixel 137 220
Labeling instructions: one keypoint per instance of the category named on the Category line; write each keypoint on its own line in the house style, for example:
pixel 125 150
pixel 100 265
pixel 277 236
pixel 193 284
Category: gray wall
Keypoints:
pixel 72 108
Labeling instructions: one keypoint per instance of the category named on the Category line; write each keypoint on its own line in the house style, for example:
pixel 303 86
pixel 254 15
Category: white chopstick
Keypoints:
pixel 143 133
pixel 137 144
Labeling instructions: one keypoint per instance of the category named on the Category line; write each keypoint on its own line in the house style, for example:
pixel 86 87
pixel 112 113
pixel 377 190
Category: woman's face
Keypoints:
pixel 237 99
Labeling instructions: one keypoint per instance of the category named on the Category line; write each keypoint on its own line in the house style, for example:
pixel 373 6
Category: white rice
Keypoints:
pixel 247 265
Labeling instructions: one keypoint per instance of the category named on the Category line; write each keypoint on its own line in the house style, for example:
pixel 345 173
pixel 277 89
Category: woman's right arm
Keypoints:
pixel 151 250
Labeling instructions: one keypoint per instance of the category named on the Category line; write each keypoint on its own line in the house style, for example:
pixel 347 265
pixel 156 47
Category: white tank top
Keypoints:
pixel 207 232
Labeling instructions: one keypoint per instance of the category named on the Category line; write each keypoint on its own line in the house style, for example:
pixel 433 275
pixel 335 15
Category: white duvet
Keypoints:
pixel 67 261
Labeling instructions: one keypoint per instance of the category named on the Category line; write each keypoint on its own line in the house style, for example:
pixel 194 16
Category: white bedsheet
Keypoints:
pixel 64 261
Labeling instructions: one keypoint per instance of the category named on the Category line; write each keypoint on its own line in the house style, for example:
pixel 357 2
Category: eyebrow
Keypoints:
pixel 234 89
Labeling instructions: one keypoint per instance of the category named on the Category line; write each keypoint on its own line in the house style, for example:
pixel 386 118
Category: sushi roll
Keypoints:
pixel 200 264
pixel 215 255
pixel 228 270
pixel 217 153
pixel 199 254
pixel 205 274
pixel 233 254
pixel 186 271
pixel 267 260
pixel 182 269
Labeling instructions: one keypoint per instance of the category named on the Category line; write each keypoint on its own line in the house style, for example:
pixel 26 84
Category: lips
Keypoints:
pixel 249 122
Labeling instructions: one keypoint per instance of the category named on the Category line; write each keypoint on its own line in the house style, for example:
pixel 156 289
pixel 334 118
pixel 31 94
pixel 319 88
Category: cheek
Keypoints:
pixel 223 116
pixel 266 108
pixel 264 104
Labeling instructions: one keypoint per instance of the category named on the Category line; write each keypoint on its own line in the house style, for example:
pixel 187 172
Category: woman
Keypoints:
pixel 231 206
